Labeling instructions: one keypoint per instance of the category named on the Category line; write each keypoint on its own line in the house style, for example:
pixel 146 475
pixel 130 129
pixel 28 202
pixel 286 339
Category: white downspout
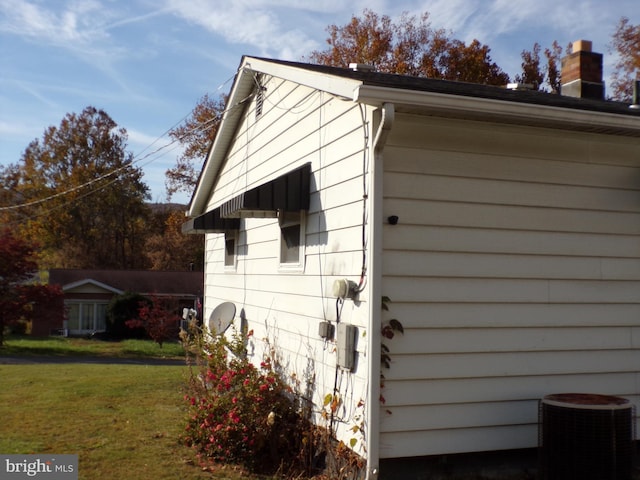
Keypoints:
pixel 375 277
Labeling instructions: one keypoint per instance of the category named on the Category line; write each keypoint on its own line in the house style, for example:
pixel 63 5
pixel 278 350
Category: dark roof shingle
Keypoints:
pixel 423 84
pixel 138 281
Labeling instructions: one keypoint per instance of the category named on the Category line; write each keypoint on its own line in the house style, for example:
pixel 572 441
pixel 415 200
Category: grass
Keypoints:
pixel 123 421
pixel 61 346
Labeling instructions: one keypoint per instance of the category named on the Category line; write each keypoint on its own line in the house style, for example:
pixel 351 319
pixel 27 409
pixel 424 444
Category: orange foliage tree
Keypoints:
pixel 626 43
pixel 196 135
pixel 409 47
pixel 170 249
pixel 78 193
pixel 545 77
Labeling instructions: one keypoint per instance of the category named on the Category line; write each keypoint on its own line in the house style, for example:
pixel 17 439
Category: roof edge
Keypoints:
pixel 431 96
pixel 240 89
pixel 522 113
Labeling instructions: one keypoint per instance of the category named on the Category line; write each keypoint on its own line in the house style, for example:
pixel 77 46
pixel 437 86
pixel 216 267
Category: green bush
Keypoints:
pixel 121 309
pixel 21 327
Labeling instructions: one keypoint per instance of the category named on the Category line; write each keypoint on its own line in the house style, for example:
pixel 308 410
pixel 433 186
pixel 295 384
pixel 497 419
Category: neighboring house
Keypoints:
pixel 88 292
pixel 503 224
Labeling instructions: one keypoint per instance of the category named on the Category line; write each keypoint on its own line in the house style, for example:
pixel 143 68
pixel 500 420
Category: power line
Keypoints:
pixel 200 128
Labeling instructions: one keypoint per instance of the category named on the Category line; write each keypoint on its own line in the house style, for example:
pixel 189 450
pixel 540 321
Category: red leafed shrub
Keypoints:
pixel 21 299
pixel 159 318
pixel 239 413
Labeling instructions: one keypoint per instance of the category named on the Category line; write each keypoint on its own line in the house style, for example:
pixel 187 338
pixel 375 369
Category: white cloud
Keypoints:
pixel 489 20
pixel 233 20
pixel 127 20
pixel 77 27
pixel 451 15
pixel 254 24
pixel 155 155
pixel 73 25
pixel 510 26
pixel 485 20
pixel 15 129
pixel 146 140
pixel 154 152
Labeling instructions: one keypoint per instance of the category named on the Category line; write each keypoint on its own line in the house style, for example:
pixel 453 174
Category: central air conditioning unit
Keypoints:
pixel 585 437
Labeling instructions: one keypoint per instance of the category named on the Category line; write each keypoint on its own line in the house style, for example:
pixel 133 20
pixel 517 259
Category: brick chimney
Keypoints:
pixel 581 74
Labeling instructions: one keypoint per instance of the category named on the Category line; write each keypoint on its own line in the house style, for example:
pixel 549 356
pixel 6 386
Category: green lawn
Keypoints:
pixel 61 346
pixel 123 421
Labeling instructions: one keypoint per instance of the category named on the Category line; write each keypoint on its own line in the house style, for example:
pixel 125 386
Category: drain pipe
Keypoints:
pixel 374 336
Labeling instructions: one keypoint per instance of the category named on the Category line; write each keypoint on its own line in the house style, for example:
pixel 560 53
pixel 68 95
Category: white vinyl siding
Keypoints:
pixel 285 305
pixel 514 267
pixel 515 271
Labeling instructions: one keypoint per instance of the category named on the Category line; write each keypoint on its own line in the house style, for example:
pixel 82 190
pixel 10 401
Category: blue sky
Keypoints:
pixel 147 62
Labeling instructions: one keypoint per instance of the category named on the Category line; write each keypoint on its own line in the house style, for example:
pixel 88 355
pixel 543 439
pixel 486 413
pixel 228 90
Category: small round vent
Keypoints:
pixel 586 437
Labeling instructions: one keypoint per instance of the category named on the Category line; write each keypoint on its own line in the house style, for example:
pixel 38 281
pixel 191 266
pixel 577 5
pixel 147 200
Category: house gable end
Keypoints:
pixel 90 286
pixel 242 93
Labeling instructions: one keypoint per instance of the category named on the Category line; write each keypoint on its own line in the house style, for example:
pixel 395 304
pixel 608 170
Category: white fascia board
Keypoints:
pixel 240 91
pixel 333 84
pixel 95 283
pixel 499 110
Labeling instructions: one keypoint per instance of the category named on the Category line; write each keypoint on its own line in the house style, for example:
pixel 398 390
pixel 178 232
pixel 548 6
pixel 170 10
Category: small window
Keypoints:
pixel 230 250
pixel 291 239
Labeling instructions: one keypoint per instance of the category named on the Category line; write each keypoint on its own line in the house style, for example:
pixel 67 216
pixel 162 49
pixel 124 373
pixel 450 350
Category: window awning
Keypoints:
pixel 210 222
pixel 288 193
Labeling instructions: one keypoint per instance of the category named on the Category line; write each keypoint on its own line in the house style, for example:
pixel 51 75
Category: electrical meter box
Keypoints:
pixel 326 330
pixel 346 343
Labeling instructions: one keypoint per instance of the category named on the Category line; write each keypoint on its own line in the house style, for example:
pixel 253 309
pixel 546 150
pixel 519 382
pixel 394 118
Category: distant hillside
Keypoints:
pixel 166 207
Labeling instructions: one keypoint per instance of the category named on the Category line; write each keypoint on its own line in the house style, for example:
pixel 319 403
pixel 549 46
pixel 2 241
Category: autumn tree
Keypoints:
pixel 542 76
pixel 16 267
pixel 20 297
pixel 369 40
pixel 196 135
pixel 9 197
pixel 409 47
pixel 553 69
pixel 78 192
pixel 467 63
pixel 626 43
pixel 531 68
pixel 169 248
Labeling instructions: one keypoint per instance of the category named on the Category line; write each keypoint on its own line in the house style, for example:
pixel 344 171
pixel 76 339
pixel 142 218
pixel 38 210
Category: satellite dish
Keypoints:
pixel 221 318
